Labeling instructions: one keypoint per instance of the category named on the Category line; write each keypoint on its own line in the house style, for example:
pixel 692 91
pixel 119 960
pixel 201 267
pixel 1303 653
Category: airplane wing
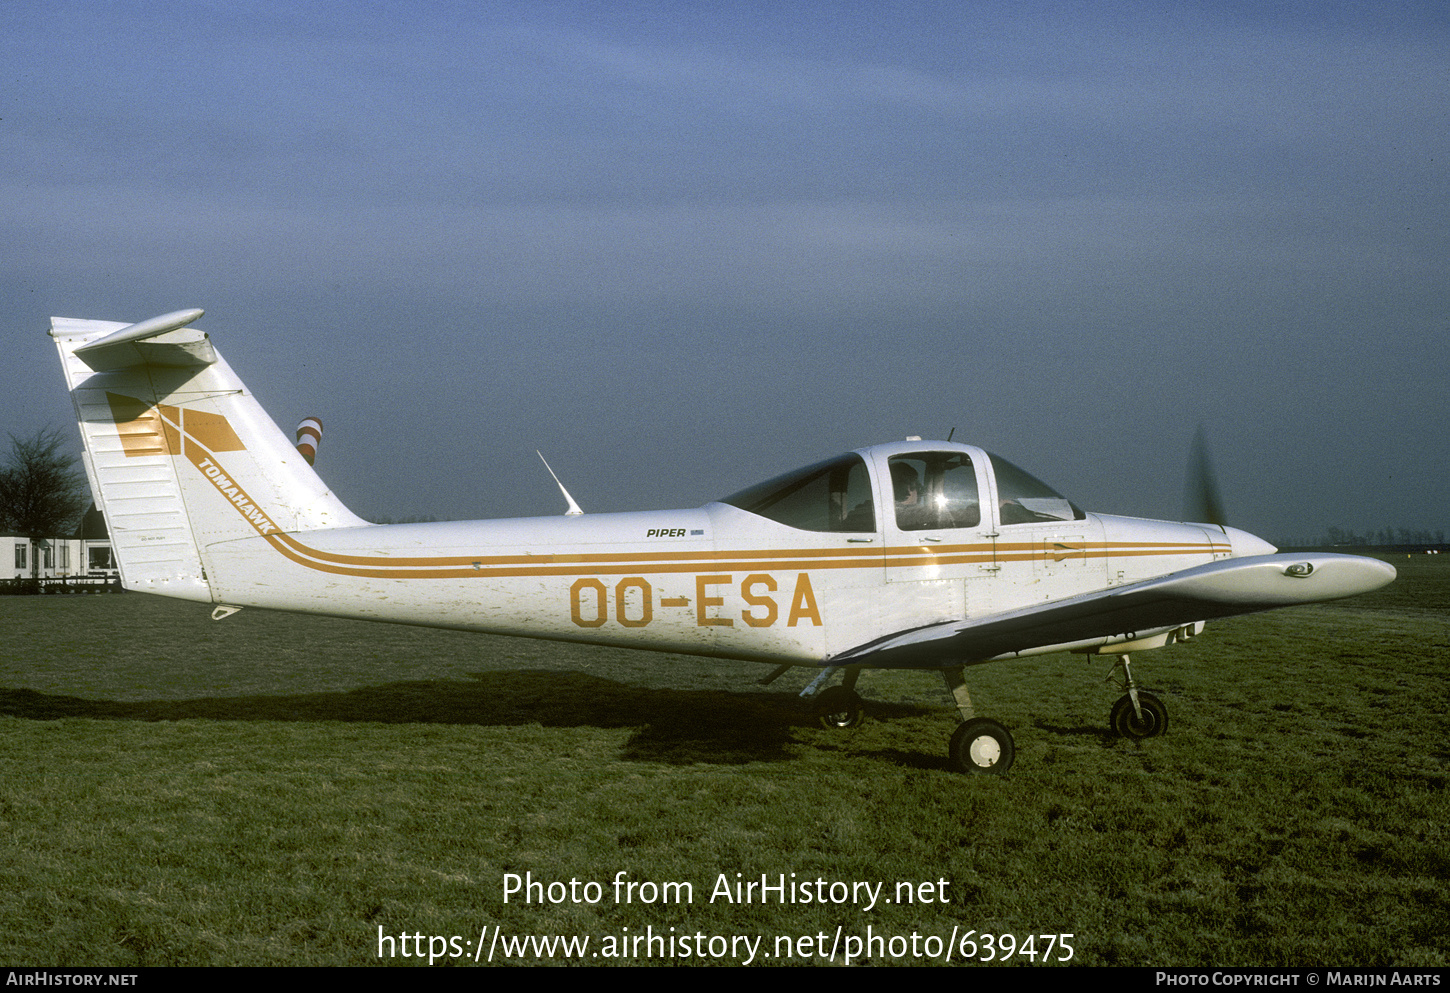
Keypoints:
pixel 1218 589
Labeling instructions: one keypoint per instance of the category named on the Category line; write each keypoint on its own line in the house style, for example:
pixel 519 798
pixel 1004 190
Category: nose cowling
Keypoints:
pixel 1243 544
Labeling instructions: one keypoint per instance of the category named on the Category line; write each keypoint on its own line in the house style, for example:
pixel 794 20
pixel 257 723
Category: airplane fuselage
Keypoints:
pixel 715 580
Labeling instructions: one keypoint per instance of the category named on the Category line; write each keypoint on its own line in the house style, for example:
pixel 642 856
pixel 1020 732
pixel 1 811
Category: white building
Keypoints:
pixel 84 554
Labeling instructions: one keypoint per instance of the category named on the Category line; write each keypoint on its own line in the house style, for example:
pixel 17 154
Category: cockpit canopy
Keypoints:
pixel 929 490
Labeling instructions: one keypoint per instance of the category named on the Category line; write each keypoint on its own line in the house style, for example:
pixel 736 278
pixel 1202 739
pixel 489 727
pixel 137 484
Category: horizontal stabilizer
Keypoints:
pixel 1219 589
pixel 164 342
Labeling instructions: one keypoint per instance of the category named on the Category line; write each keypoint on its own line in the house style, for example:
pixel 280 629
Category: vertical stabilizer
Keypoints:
pixel 179 455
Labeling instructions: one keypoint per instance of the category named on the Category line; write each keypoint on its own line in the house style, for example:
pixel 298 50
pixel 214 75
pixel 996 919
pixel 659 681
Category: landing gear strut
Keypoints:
pixel 979 746
pixel 1138 714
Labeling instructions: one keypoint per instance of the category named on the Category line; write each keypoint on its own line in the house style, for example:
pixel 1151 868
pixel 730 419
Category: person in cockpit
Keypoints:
pixel 912 513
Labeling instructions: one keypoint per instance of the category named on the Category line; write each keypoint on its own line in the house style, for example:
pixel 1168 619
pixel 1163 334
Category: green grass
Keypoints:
pixel 273 789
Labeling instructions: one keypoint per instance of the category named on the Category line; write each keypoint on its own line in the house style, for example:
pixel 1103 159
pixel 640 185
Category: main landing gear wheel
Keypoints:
pixel 982 747
pixel 838 708
pixel 1126 722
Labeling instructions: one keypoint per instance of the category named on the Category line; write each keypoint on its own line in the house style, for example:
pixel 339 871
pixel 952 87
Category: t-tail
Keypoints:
pixel 179 454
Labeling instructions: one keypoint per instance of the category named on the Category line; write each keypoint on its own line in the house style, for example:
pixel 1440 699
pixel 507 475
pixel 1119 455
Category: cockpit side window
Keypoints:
pixel 1024 499
pixel 933 490
pixel 834 495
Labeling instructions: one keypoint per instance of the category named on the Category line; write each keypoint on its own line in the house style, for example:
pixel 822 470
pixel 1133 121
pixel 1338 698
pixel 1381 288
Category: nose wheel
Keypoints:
pixel 1148 720
pixel 1138 714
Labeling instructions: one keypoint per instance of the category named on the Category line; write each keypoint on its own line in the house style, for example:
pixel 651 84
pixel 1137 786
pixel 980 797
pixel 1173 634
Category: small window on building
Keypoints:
pixel 101 558
pixel 20 556
pixel 49 556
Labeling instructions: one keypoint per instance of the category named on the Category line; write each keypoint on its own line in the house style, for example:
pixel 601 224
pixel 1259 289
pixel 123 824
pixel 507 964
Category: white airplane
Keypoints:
pixel 912 555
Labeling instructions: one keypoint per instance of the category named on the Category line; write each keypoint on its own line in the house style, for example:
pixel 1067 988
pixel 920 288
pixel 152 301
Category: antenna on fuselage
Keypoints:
pixel 574 508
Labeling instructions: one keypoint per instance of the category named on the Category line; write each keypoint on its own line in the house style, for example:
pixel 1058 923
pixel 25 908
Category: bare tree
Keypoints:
pixel 42 495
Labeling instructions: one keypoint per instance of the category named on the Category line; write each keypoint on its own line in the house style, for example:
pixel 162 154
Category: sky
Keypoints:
pixel 681 247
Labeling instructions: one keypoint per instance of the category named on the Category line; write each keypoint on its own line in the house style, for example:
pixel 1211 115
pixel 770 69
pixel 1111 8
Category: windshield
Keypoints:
pixel 834 495
pixel 1024 499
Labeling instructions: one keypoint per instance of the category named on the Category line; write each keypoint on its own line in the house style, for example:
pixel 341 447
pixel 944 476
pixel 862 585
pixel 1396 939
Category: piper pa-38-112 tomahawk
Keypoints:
pixel 912 555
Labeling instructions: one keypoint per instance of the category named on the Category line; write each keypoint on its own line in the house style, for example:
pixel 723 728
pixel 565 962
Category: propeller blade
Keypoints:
pixel 1202 501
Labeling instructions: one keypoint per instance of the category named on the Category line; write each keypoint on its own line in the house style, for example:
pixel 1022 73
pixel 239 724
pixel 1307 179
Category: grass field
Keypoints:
pixel 274 789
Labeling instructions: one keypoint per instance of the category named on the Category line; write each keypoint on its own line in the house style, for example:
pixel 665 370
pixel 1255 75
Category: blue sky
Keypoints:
pixel 683 247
